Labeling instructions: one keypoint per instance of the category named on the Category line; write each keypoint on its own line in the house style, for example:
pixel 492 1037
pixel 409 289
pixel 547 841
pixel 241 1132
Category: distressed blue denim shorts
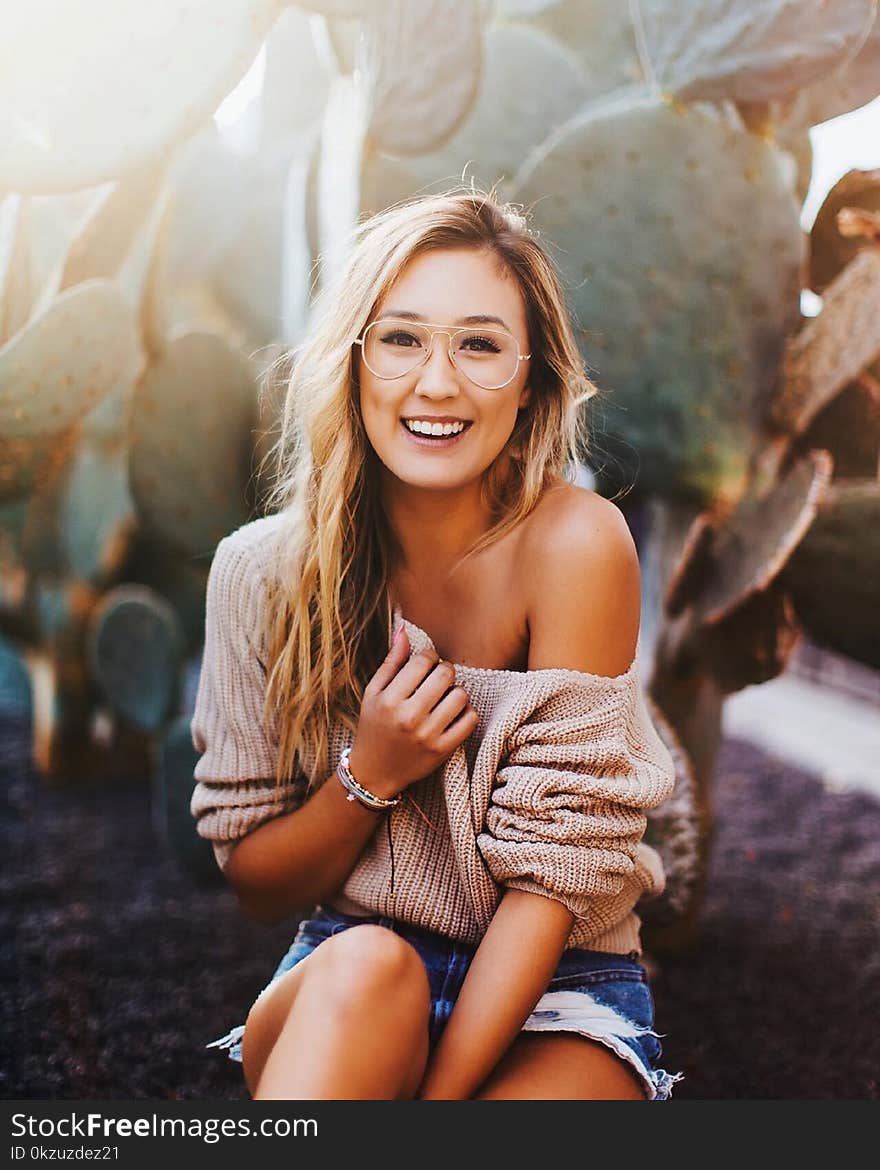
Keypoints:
pixel 602 996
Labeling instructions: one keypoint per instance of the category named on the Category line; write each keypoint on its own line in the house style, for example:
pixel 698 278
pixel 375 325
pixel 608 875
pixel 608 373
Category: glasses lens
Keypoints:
pixel 486 356
pixel 393 348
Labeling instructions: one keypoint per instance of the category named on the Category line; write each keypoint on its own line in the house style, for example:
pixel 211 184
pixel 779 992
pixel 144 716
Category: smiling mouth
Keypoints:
pixel 439 441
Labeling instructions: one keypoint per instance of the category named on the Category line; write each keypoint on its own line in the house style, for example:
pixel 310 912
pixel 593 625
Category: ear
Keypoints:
pixel 525 396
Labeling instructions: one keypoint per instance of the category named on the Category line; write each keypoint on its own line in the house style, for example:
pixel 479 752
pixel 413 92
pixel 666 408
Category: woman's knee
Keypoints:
pixel 370 963
pixel 350 977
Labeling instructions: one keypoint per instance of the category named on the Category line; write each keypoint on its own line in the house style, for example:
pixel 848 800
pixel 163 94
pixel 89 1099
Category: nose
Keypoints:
pixel 437 376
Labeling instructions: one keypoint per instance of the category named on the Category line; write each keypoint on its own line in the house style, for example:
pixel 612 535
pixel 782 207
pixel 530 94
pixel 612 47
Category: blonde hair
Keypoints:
pixel 330 607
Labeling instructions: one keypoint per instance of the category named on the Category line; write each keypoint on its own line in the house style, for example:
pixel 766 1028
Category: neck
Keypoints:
pixel 435 527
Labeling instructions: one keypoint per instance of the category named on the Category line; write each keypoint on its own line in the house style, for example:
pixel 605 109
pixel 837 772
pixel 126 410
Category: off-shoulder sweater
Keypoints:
pixel 548 794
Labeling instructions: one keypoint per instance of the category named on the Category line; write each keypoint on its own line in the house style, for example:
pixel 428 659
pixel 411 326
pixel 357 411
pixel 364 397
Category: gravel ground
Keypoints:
pixel 117 968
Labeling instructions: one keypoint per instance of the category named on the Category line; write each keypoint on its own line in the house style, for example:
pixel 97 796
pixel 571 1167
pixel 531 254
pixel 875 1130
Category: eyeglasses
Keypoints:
pixel 392 348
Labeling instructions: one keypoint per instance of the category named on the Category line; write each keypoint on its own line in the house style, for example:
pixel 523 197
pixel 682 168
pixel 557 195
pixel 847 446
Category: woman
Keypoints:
pixel 458 812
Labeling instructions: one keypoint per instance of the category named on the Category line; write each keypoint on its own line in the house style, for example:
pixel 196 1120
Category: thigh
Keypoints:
pixel 560 1067
pixel 367 960
pixel 266 1019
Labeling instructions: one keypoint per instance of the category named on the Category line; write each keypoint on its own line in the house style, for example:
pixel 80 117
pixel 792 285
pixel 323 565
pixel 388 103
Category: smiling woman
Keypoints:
pixel 484 942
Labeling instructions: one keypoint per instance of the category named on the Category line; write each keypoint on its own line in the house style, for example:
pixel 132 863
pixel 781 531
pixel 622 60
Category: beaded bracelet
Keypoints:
pixel 357 791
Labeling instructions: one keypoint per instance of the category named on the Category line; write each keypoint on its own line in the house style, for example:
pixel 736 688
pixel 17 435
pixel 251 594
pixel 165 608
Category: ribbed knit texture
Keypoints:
pixel 547 794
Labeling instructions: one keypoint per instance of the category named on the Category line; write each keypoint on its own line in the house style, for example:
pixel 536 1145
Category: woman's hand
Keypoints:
pixel 412 719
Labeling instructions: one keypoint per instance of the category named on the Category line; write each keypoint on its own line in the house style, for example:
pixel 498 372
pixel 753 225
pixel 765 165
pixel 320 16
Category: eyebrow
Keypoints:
pixel 474 319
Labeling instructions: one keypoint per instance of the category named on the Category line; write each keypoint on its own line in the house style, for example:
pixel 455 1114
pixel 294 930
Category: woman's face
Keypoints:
pixel 445 287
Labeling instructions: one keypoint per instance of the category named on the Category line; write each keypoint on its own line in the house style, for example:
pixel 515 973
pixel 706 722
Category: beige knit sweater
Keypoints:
pixel 547 794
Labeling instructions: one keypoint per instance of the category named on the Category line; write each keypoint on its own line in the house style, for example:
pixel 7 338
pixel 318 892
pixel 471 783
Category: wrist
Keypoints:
pixel 378 785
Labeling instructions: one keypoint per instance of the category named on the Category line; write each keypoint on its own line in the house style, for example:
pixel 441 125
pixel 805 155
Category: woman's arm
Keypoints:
pixel 297 860
pixel 508 975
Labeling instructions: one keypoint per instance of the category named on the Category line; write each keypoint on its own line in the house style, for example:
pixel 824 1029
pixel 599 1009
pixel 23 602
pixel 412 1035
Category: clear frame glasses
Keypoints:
pixel 393 348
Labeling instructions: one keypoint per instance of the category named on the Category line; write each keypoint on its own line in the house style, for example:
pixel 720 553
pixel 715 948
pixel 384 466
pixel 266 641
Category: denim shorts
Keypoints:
pixel 602 996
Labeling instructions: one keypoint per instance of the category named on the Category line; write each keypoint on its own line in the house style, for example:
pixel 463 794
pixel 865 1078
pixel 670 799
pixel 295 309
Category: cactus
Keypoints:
pixel 96 514
pixel 200 384
pixel 64 361
pixel 832 349
pixel 102 246
pixel 680 311
pixel 133 624
pixel 414 110
pixel 834 576
pixel 601 37
pixel 728 621
pixel 296 82
pixel 849 429
pixel 852 84
pixel 529 85
pixel 95 139
pixel 763 50
pixel 830 252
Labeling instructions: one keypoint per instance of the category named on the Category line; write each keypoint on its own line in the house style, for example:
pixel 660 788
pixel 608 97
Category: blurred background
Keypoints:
pixel 176 183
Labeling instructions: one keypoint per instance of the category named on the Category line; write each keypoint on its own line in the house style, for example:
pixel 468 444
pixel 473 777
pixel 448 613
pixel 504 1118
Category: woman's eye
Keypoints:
pixel 480 345
pixel 398 337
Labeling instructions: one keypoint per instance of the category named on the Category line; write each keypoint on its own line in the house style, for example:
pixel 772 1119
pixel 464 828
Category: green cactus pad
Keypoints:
pixel 834 575
pixel 843 89
pixel 415 109
pixel 191 442
pixel 35 234
pixel 678 238
pixel 530 85
pixel 96 512
pixel 601 37
pixel 65 360
pixel 708 50
pixel 15 686
pixel 101 246
pixel 24 464
pixel 134 649
pixel 179 580
pixel 832 348
pixel 295 83
pixel 830 252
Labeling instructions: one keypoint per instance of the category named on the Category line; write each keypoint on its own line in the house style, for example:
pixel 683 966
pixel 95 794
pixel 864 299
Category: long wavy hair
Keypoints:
pixel 329 610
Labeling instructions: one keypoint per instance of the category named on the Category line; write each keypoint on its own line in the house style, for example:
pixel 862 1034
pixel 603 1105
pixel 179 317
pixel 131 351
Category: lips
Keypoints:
pixel 441 442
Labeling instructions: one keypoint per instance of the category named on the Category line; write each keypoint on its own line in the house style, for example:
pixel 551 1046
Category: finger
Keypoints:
pixel 436 684
pixel 450 706
pixel 411 675
pixel 458 731
pixel 394 659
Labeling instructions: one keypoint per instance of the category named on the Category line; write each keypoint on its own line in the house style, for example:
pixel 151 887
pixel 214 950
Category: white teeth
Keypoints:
pixel 424 428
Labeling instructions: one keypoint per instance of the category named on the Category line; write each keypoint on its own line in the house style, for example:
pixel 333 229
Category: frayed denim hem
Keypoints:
pixel 232 1041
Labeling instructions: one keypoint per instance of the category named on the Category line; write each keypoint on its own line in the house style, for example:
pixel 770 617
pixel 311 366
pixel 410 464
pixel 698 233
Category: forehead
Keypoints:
pixel 448 284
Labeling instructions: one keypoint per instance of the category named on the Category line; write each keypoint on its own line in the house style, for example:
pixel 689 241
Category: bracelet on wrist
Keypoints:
pixel 357 791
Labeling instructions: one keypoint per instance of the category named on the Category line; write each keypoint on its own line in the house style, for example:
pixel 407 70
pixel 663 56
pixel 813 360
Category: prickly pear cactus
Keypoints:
pixel 530 84
pixel 682 318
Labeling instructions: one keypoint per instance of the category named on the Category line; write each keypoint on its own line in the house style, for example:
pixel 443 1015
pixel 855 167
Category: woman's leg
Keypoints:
pixel 560 1067
pixel 348 1022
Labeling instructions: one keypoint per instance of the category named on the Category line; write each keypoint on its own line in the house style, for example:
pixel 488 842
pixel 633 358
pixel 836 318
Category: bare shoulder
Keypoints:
pixel 580 573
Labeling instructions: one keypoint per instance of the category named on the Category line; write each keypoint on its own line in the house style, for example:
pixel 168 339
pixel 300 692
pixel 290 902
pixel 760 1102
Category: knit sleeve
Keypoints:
pixel 235 789
pixel 567 813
